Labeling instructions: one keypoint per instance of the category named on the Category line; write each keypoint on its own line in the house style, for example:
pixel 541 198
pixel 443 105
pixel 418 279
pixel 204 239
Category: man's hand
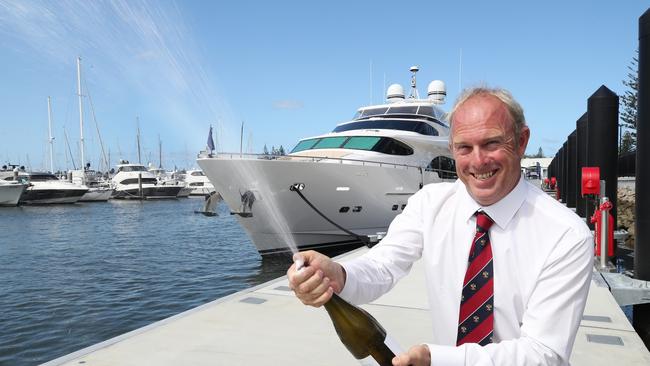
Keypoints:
pixel 320 277
pixel 416 356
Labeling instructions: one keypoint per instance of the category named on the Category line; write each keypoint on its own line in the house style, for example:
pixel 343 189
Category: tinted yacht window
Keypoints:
pixel 389 124
pixel 444 166
pixel 411 109
pixel 392 147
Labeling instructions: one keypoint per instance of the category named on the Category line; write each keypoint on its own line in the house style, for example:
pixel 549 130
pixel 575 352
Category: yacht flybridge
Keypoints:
pixel 336 190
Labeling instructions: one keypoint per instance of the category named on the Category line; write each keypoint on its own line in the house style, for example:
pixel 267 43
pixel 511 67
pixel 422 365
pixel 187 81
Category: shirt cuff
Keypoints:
pixel 350 287
pixel 446 355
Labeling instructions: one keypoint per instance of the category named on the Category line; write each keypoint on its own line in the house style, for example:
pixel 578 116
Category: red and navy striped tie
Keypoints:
pixel 475 323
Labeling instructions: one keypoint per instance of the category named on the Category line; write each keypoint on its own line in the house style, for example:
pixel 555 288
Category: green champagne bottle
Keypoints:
pixel 361 333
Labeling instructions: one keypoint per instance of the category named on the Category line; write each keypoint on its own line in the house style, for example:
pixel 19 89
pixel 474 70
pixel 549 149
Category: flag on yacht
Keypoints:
pixel 210 141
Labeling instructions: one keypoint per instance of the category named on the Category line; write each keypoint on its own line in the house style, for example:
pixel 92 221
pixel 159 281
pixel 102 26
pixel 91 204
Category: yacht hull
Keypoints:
pixel 37 196
pixel 10 193
pixel 95 194
pixel 361 198
pixel 148 192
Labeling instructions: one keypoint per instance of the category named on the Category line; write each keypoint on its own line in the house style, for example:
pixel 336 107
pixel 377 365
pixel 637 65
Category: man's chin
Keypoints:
pixel 482 196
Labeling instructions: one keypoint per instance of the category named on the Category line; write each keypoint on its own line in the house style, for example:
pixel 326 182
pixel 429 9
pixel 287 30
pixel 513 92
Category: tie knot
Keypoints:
pixel 483 221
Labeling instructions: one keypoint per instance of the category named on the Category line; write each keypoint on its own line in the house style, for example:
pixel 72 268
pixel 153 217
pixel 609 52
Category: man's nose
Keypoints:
pixel 479 156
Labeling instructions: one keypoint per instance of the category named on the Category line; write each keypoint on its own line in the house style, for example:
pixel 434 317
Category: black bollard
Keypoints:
pixel 602 140
pixel 642 223
pixel 572 160
pixel 560 169
pixel 581 154
pixel 565 170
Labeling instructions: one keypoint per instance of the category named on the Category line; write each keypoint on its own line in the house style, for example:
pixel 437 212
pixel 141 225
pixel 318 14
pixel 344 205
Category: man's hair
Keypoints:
pixel 514 108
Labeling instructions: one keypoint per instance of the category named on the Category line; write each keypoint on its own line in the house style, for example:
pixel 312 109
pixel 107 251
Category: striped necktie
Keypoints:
pixel 475 323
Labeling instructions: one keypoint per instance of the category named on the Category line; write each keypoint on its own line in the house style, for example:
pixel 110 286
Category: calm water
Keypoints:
pixel 75 275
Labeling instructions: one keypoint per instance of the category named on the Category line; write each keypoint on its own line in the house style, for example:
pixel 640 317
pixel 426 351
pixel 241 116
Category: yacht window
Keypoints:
pixel 132 168
pixel 330 142
pixel 197 174
pixel 444 166
pixel 135 181
pixel 361 142
pixel 392 147
pixel 389 124
pixel 411 109
pixel 426 110
pixel 304 145
pixel 42 177
pixel 373 112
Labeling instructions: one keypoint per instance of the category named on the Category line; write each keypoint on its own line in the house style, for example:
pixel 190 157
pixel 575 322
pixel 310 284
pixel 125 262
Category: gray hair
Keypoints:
pixel 514 108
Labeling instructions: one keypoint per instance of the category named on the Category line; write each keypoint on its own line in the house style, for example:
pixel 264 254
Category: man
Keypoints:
pixel 507 266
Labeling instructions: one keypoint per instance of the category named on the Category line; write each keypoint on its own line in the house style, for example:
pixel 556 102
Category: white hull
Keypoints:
pixel 202 191
pixel 373 194
pixel 10 193
pixel 95 194
pixel 41 193
pixel 184 192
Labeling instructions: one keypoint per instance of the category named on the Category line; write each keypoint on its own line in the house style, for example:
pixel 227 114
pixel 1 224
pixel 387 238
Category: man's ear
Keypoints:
pixel 524 136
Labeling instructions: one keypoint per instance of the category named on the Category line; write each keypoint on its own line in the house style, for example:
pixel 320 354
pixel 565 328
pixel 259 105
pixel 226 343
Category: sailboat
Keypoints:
pixel 98 189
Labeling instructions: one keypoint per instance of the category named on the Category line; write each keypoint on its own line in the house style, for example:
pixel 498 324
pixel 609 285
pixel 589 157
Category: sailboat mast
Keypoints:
pixel 159 152
pixel 51 139
pixel 137 122
pixel 81 116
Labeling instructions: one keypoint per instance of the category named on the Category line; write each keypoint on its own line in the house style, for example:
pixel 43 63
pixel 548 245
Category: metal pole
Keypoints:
pixel 603 228
pixel 81 115
pixel 49 125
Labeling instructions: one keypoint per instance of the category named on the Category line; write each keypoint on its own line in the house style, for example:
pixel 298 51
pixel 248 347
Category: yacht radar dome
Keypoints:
pixel 437 91
pixel 395 93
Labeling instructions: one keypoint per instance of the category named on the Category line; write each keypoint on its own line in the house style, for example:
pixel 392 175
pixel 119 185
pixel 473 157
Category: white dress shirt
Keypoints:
pixel 542 258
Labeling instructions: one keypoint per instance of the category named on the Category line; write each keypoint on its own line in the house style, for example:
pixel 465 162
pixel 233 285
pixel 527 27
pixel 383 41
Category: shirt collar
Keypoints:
pixel 502 211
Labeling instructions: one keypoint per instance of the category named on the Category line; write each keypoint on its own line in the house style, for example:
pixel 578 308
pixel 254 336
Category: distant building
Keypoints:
pixel 535 168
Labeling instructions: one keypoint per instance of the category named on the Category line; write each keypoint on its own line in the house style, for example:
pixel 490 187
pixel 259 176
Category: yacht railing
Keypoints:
pixel 315 159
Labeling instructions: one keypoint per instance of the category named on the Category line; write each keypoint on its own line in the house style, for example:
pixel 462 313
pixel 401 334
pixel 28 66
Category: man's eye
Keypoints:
pixel 463 149
pixel 492 144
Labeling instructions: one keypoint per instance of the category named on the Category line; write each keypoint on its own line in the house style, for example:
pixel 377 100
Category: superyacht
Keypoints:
pixel 337 191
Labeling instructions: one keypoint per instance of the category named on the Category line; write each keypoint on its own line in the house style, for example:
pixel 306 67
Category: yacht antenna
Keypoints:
pixel 51 139
pixel 414 89
pixel 81 117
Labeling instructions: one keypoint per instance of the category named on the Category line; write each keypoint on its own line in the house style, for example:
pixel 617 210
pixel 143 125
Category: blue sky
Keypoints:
pixel 288 69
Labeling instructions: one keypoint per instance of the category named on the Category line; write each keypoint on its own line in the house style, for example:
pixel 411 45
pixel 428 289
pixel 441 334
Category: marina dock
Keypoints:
pixel 268 325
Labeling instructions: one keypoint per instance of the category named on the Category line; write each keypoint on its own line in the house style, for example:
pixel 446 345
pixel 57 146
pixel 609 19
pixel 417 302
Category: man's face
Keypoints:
pixel 485 148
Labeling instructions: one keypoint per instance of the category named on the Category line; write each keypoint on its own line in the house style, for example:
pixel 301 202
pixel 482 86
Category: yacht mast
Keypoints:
pixel 51 139
pixel 81 117
pixel 137 123
pixel 414 89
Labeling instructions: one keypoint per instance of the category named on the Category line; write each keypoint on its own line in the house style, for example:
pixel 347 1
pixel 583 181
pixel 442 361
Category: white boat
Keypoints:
pixel 336 190
pixel 99 189
pixel 199 183
pixel 134 181
pixel 170 179
pixel 46 188
pixel 10 192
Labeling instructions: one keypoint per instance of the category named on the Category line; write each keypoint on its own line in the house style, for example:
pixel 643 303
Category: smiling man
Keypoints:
pixel 507 267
